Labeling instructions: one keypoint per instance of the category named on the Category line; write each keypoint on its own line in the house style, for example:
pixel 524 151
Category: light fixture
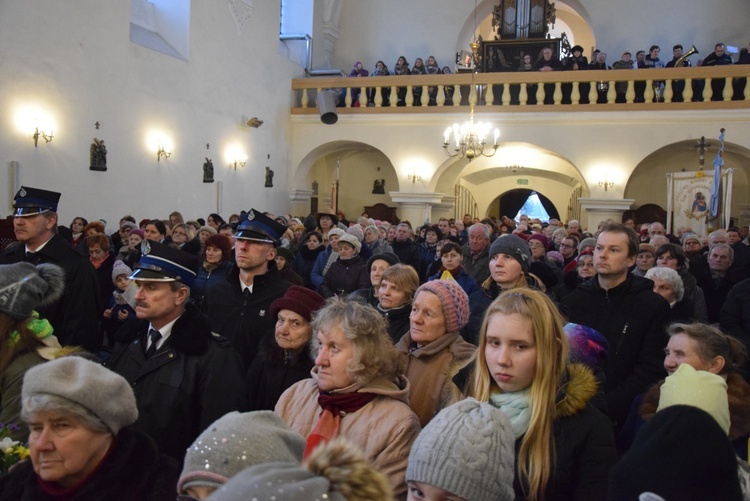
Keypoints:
pixel 514 168
pixel 606 184
pixel 240 160
pixel 254 122
pixel 43 135
pixel 161 152
pixel 414 177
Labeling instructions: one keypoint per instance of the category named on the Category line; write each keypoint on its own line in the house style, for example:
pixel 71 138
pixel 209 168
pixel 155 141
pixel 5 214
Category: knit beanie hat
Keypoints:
pixel 586 242
pixel 138 232
pixel 128 225
pixel 702 389
pixel 97 389
pixel 587 346
pixel 690 236
pixel 680 453
pixel 286 254
pixel 25 287
pixel 236 441
pixel 514 246
pixel 556 257
pixel 388 257
pixel 120 268
pixel 453 299
pixel 351 240
pixel 336 231
pixel 300 300
pixel 541 238
pixel 467 450
pixel 208 229
pixel 357 231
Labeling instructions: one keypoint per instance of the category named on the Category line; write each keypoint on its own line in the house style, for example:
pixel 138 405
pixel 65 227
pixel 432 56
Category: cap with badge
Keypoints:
pixel 33 201
pixel 260 228
pixel 162 263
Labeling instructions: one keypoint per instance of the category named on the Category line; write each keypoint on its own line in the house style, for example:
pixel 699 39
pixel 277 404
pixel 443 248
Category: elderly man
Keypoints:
pixel 75 316
pixel 184 376
pixel 239 308
pixel 738 270
pixel 405 248
pixel 476 253
pixel 574 226
pixel 717 280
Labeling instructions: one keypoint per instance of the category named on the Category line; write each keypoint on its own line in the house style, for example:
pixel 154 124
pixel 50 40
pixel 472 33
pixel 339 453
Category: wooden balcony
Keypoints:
pixel 590 90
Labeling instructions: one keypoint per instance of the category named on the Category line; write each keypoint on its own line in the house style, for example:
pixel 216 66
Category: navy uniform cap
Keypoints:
pixel 162 263
pixel 260 228
pixel 32 201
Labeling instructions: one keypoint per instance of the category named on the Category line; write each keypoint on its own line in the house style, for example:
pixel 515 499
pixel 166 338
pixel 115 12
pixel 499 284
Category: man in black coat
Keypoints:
pixel 716 280
pixel 75 316
pixel 184 376
pixel 239 308
pixel 405 248
pixel 632 317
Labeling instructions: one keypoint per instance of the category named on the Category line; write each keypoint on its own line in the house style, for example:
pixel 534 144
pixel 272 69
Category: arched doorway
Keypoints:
pixel 510 202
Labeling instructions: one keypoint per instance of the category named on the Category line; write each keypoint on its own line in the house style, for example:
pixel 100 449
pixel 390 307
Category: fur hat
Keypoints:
pixel 467 450
pixel 336 471
pixel 97 389
pixel 300 300
pixel 351 240
pixel 691 236
pixel 388 257
pixel 701 461
pixel 647 248
pixel 514 246
pixel 25 287
pixel 453 299
pixel 357 231
pixel 237 441
pixel 336 231
pixel 120 268
pixel 208 229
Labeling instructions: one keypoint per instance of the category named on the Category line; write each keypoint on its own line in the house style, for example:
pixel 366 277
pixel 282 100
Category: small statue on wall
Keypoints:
pixel 98 154
pixel 208 171
pixel 269 178
pixel 315 188
pixel 378 187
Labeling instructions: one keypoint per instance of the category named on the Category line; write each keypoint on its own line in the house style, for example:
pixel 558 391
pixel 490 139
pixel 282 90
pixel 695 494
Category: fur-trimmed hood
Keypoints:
pixel 578 388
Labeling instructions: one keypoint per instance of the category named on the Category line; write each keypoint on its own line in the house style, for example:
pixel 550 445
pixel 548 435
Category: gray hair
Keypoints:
pixel 45 402
pixel 671 277
pixel 372 228
pixel 723 246
pixel 480 226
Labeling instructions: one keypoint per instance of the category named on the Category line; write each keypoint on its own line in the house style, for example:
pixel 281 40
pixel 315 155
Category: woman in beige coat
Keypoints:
pixel 356 390
pixel 433 351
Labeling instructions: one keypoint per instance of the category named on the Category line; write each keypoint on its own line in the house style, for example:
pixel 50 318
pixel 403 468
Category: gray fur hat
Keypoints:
pixel 467 450
pixel 97 389
pixel 25 287
pixel 514 246
pixel 237 441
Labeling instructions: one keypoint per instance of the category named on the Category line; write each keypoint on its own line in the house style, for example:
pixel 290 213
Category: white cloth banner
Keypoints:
pixel 688 198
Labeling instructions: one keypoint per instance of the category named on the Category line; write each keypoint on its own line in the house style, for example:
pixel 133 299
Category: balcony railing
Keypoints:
pixel 589 90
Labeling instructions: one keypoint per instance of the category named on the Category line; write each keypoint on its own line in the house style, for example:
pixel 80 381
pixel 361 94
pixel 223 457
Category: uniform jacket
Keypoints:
pixel 244 320
pixel 75 316
pixel 133 469
pixel 384 429
pixel 195 378
pixel 632 317
pixel 430 370
pixel 344 277
pixel 584 449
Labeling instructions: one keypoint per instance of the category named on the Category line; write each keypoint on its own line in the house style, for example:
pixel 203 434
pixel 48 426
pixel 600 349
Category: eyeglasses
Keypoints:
pixel 178 234
pixel 567 246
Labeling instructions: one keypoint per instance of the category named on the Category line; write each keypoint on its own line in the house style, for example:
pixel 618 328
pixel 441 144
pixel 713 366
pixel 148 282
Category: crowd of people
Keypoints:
pixel 281 357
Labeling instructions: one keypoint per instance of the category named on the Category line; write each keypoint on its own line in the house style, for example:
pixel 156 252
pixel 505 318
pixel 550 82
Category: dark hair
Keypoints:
pixel 222 243
pixel 674 251
pixel 313 234
pixel 225 226
pixel 654 47
pixel 99 239
pixel 434 229
pixel 678 46
pixel 451 246
pixel 713 343
pixel 633 240
pixel 159 225
pixel 217 218
pixel 84 223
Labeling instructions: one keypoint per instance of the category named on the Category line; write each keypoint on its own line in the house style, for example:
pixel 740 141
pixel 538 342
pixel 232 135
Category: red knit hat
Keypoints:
pixel 300 300
pixel 453 299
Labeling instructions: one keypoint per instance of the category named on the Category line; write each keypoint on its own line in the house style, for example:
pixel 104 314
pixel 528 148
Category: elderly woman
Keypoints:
pixel 356 390
pixel 183 237
pixel 204 233
pixel 397 286
pixel 433 351
pixel 81 446
pixel 348 273
pixel 673 256
pixel 377 243
pixel 584 269
pixel 376 265
pixel 285 358
pixel 668 284
pixel 215 267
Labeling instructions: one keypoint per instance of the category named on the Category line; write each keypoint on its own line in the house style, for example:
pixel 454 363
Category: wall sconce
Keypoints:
pixel 161 152
pixel 514 168
pixel 606 184
pixel 414 177
pixel 240 162
pixel 43 135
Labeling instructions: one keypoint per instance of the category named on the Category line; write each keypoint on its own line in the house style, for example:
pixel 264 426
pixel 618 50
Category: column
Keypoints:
pixel 416 207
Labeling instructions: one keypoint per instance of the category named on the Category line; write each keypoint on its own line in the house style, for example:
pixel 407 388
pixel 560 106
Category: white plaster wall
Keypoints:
pixel 74 61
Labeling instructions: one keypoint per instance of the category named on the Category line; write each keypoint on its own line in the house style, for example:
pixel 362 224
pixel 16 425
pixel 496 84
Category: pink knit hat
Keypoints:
pixel 453 299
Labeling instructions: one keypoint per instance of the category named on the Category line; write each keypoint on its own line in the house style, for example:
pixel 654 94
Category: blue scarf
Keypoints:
pixel 515 406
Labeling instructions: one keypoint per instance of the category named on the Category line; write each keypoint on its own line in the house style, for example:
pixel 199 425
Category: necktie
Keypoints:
pixel 32 257
pixel 155 337
pixel 246 293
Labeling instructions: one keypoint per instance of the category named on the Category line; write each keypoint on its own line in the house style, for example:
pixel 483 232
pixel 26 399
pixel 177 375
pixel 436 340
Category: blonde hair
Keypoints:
pixel 535 457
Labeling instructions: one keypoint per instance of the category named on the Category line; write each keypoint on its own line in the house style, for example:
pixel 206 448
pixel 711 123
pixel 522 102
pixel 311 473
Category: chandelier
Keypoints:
pixel 470 138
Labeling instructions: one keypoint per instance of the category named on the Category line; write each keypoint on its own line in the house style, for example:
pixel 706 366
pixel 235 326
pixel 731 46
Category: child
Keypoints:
pixel 565 445
pixel 118 311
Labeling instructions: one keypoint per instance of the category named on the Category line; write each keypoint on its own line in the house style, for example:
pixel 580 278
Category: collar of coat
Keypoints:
pixel 580 386
pixel 190 333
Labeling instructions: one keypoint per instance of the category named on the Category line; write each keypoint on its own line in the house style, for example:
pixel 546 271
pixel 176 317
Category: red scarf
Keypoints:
pixel 333 404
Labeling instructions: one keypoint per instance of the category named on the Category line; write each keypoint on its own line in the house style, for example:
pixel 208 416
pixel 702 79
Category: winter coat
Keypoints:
pixel 467 283
pixel 694 295
pixel 478 267
pixel 584 446
pixel 632 317
pixel 381 246
pixel 384 429
pixel 366 296
pixel 132 469
pixel 244 319
pixel 193 379
pixel 427 255
pixel 344 277
pixel 207 279
pixel 735 314
pixel 104 278
pixel 287 273
pixel 430 370
pixel 407 252
pixel 317 272
pixel 273 371
pixel 304 262
pixel 715 295
pixel 75 316
pixel 398 320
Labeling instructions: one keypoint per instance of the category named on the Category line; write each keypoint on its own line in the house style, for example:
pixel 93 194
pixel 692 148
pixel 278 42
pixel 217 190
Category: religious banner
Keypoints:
pixel 688 201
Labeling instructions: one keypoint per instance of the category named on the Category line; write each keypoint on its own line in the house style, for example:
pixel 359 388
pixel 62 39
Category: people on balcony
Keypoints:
pixel 381 70
pixel 401 68
pixel 418 69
